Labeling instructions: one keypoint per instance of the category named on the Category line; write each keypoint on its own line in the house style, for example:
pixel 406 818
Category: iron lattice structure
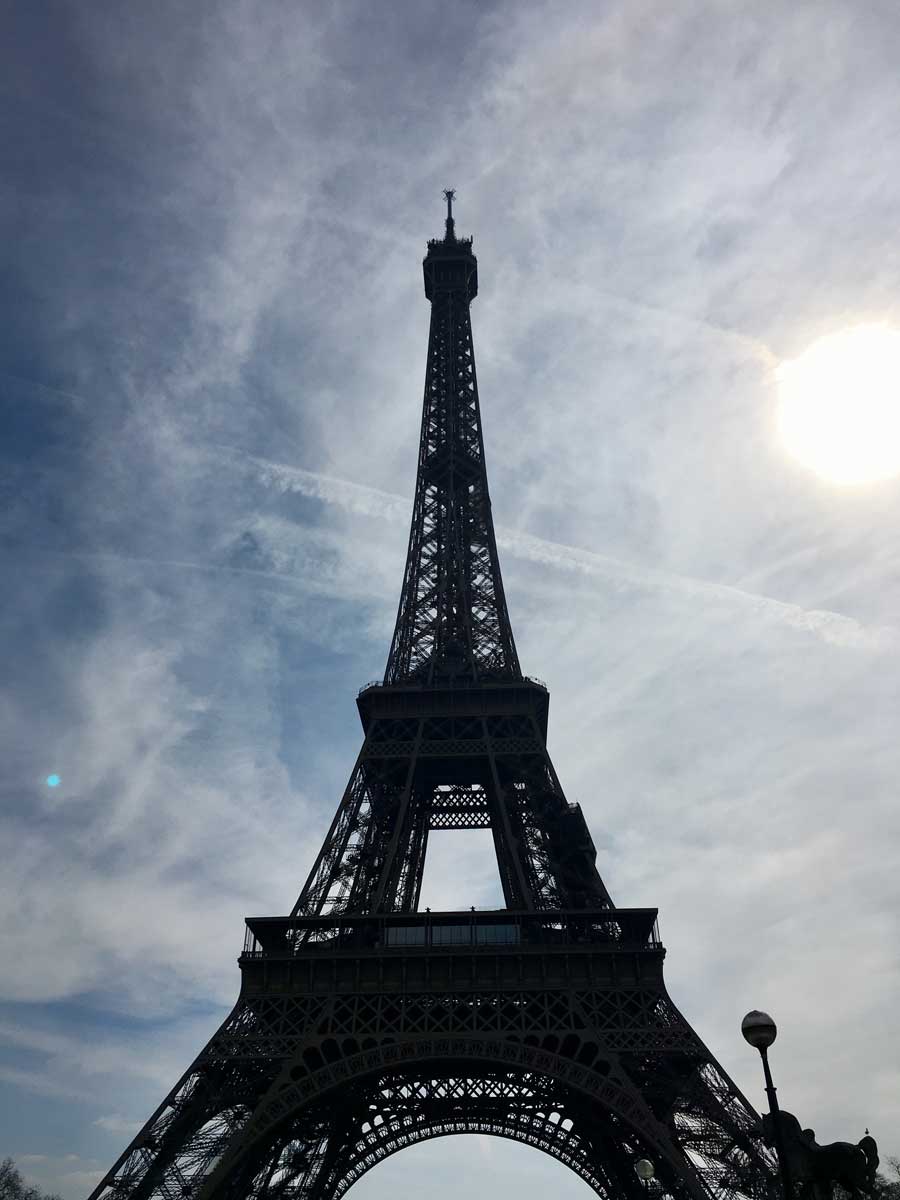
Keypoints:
pixel 364 1025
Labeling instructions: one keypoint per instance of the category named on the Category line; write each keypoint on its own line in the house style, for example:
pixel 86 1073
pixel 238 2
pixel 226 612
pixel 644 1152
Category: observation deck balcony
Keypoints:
pixel 496 951
pixel 435 953
pixel 455 696
pixel 453 683
pixel 492 930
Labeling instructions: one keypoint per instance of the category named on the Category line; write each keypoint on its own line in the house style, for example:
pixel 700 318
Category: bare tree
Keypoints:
pixel 14 1187
pixel 887 1184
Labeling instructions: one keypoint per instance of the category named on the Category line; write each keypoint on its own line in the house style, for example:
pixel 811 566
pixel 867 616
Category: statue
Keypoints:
pixel 818 1168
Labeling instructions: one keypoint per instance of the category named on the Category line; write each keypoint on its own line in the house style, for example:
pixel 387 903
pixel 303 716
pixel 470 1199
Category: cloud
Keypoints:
pixel 128 820
pixel 82 1179
pixel 41 1084
pixel 368 501
pixel 118 1125
pixel 87 1056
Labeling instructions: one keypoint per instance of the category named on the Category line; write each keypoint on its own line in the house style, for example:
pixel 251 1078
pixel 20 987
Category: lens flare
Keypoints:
pixel 839 404
pixel 53 781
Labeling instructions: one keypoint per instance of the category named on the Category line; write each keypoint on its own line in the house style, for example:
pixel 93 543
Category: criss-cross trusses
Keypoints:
pixel 267 1113
pixel 313 1155
pixel 452 620
pixel 426 772
pixel 453 761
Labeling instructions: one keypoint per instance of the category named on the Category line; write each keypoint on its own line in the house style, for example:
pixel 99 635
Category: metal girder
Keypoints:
pixel 470 772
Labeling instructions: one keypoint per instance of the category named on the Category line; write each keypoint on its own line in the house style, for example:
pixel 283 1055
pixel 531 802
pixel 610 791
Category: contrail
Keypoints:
pixel 302 581
pixel 44 387
pixel 758 349
pixel 832 627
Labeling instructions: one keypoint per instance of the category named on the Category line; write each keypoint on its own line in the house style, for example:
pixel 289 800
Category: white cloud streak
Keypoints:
pixel 361 499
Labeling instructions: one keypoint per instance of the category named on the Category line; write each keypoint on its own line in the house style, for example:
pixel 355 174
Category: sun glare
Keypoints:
pixel 839 404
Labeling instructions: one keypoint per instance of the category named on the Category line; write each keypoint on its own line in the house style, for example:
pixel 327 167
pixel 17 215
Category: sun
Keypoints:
pixel 839 404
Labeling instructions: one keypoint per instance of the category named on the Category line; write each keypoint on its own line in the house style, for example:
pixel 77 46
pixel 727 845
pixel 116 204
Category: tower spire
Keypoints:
pixel 449 195
pixel 452 620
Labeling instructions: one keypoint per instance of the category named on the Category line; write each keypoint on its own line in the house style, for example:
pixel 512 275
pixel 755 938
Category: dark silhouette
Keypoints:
pixel 818 1169
pixel 365 1024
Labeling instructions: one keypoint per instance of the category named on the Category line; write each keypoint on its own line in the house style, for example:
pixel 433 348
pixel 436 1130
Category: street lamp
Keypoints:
pixel 644 1169
pixel 760 1031
pixel 646 1173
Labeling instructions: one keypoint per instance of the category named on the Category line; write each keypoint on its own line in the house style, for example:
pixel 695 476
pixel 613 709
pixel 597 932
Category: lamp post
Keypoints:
pixel 760 1030
pixel 646 1172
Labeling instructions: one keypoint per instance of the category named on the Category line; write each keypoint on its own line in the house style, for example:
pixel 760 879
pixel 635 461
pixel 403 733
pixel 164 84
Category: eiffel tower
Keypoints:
pixel 364 1024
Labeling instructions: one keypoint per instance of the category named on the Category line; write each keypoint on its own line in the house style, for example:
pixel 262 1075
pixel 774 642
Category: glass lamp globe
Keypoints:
pixel 644 1169
pixel 759 1029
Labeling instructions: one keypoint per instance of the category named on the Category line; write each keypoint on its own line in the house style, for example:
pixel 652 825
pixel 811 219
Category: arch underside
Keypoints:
pixel 233 1130
pixel 322 1149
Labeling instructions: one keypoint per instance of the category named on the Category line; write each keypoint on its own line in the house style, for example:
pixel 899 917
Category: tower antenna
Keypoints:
pixel 449 195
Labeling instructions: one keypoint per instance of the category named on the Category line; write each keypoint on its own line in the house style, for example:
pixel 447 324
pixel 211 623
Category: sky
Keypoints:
pixel 211 363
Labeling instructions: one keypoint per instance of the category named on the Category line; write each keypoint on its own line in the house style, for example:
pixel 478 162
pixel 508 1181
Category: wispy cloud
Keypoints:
pixel 118 1125
pixel 368 501
pixel 42 1084
pixel 82 1179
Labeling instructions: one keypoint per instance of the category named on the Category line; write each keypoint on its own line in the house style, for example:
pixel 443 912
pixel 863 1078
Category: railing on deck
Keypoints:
pixel 457 683
pixel 476 929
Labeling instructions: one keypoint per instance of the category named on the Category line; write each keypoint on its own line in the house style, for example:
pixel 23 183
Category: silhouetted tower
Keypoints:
pixel 364 1025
